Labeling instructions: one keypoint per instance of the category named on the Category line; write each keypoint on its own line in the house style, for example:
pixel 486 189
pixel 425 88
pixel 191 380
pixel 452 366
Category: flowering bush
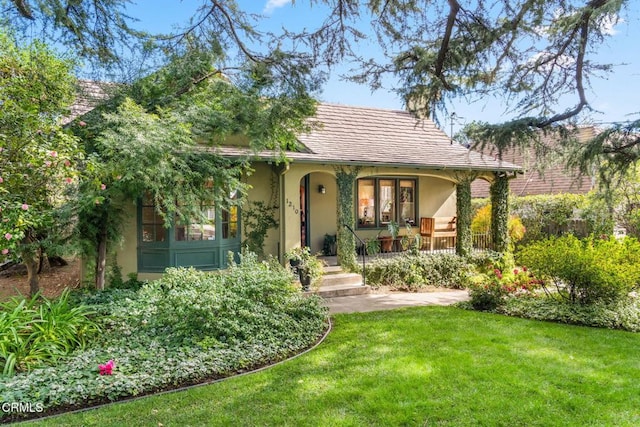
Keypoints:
pixel 489 289
pixel 107 368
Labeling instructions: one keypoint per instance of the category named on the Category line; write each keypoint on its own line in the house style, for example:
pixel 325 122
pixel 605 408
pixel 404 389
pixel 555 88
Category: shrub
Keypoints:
pixel 588 270
pixel 555 214
pixel 412 272
pixel 184 328
pixel 481 223
pixel 38 330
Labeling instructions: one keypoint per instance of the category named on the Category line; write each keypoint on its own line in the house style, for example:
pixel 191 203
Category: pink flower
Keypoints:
pixel 107 368
pixel 8 236
pixel 68 180
pixel 5 251
pixel 47 163
pixel 497 271
pixel 516 271
pixel 67 163
pixel 103 187
pixel 81 123
pixel 524 268
pixel 53 153
pixel 1 180
pixel 25 207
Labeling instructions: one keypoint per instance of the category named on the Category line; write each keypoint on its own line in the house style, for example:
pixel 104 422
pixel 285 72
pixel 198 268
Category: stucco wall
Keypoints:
pixel 323 210
pixel 436 197
pixel 264 187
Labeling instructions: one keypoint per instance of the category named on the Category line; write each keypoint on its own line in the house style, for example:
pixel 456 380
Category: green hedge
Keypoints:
pixel 413 272
pixel 586 270
pixel 545 215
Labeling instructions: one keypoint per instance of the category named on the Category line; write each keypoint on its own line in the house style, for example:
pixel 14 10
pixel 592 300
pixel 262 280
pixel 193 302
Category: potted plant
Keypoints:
pixel 308 267
pixel 386 242
pixel 329 246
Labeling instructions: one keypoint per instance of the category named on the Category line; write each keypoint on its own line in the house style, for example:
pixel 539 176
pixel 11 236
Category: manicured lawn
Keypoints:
pixel 418 366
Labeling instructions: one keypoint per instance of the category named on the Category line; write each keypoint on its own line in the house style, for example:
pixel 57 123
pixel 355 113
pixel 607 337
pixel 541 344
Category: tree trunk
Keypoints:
pixel 31 263
pixel 101 260
pixel 43 261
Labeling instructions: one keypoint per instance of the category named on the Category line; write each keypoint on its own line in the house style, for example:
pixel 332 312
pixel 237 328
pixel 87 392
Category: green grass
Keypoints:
pixel 418 366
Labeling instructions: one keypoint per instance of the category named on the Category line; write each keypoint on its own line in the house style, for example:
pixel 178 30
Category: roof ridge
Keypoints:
pixel 361 107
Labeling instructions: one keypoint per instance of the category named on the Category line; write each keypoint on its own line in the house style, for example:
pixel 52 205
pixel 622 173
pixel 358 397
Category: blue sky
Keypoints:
pixel 615 97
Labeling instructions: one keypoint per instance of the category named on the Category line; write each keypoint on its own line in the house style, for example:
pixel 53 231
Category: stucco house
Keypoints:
pixel 406 169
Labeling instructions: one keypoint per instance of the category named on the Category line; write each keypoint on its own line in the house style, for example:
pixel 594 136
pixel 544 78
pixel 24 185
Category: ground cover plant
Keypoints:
pixel 187 327
pixel 411 272
pixel 418 366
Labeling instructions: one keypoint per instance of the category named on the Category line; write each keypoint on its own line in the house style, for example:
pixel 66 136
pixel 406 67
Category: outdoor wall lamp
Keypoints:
pixel 322 189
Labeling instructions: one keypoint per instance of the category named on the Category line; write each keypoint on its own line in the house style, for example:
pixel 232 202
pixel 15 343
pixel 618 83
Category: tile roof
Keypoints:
pixel 377 137
pixel 90 94
pixel 352 135
pixel 388 137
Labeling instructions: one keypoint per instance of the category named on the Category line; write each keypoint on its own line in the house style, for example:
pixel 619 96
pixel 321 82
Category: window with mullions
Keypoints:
pixel 202 240
pixel 202 227
pixel 382 200
pixel 153 229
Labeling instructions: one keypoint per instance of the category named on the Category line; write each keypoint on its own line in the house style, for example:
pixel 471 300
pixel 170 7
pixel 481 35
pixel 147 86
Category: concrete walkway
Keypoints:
pixel 389 301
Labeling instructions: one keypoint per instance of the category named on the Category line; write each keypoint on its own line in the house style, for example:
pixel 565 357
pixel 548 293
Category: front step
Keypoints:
pixel 336 283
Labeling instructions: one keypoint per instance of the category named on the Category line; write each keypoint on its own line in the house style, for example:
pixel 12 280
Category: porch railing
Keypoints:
pixel 480 242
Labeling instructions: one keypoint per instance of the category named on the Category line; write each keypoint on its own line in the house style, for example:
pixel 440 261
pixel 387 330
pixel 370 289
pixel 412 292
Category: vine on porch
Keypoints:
pixel 346 178
pixel 464 240
pixel 499 192
pixel 258 217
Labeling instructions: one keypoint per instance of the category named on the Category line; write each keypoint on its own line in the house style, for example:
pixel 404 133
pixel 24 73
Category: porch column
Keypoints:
pixel 346 179
pixel 499 192
pixel 464 240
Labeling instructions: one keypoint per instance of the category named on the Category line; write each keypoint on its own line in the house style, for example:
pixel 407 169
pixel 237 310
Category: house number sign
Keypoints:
pixel 293 207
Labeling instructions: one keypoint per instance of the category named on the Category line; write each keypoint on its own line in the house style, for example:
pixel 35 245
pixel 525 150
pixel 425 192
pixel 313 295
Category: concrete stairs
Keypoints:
pixel 336 283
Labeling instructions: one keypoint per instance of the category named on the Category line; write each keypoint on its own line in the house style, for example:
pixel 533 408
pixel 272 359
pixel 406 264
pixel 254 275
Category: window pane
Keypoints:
pixel 209 226
pixel 152 224
pixel 200 228
pixel 387 196
pixel 407 202
pixel 230 223
pixel 366 203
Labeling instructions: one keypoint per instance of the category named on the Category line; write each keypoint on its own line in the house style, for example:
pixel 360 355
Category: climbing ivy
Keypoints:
pixel 258 217
pixel 345 180
pixel 499 192
pixel 464 241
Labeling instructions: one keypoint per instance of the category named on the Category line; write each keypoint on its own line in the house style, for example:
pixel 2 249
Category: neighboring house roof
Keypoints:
pixel 541 177
pixel 376 137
